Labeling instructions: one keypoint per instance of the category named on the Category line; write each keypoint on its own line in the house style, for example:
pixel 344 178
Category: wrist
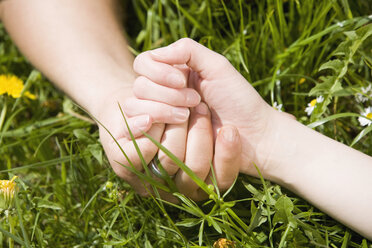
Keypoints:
pixel 274 147
pixel 110 98
pixel 99 91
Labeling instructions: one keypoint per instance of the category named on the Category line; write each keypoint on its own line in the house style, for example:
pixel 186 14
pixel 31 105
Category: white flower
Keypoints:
pixel 340 24
pixel 367 119
pixel 310 107
pixel 278 106
pixel 362 97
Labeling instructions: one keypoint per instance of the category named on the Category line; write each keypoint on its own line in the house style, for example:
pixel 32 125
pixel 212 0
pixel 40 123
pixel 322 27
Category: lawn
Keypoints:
pixel 291 51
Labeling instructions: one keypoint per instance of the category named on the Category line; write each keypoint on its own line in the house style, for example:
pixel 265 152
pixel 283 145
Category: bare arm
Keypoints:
pixel 78 44
pixel 330 175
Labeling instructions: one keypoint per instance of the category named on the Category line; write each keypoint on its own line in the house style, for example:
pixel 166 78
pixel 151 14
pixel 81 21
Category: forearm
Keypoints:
pixel 77 44
pixel 330 175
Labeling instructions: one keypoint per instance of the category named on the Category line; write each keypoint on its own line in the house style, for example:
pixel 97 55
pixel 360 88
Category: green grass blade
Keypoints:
pixel 12 236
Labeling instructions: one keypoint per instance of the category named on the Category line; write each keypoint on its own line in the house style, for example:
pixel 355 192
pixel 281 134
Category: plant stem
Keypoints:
pixel 11 228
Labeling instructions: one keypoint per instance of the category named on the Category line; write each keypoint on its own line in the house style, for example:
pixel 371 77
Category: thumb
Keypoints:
pixel 199 58
pixel 227 156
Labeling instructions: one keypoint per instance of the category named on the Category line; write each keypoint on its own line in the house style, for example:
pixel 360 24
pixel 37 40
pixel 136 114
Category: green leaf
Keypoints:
pixel 330 118
pixel 361 134
pixel 284 208
pixel 189 222
pixel 257 218
pixel 12 236
pixel 352 35
pixel 335 65
pixel 329 85
pixel 84 136
pixel 201 230
pixel 44 203
pixel 342 49
pixel 96 151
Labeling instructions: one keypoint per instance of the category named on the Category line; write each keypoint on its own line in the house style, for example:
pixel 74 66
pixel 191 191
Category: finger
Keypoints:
pixel 195 55
pixel 145 89
pixel 227 157
pixel 199 150
pixel 174 139
pixel 159 112
pixel 118 160
pixel 160 73
pixel 137 125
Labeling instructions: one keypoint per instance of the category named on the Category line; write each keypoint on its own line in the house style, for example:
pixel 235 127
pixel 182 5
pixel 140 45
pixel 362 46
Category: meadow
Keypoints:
pixel 291 51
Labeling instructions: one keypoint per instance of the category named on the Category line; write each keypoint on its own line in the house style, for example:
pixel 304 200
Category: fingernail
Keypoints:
pixel 180 114
pixel 229 134
pixel 202 109
pixel 192 98
pixel 141 122
pixel 176 80
pixel 160 52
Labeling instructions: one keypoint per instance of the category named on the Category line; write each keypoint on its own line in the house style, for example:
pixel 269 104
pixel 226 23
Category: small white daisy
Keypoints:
pixel 310 107
pixel 278 106
pixel 367 120
pixel 361 97
pixel 340 24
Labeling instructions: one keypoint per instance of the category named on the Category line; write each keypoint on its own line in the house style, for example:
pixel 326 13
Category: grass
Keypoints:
pixel 290 51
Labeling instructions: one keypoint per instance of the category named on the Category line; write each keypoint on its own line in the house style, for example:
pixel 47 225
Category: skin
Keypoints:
pixel 79 45
pixel 332 176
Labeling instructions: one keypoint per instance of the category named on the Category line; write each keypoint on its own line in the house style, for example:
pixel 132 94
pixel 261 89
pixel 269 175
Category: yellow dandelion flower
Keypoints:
pixel 13 86
pixel 302 80
pixel 3 84
pixel 7 191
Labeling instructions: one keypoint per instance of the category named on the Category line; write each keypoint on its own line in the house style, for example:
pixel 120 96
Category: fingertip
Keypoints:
pixel 138 125
pixel 180 115
pixel 202 109
pixel 229 134
pixel 176 80
pixel 143 122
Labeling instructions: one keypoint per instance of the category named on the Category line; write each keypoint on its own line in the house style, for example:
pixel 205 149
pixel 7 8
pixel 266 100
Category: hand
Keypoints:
pixel 111 118
pixel 191 142
pixel 232 100
pixel 198 153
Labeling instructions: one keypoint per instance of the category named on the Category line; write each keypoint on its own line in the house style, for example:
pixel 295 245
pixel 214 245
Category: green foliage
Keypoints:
pixel 289 50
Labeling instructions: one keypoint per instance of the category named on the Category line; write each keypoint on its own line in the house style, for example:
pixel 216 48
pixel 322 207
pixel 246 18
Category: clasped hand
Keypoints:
pixel 212 114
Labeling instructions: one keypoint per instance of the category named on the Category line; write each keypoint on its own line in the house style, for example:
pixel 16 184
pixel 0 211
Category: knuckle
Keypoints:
pixel 139 86
pixel 223 61
pixel 184 42
pixel 138 62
